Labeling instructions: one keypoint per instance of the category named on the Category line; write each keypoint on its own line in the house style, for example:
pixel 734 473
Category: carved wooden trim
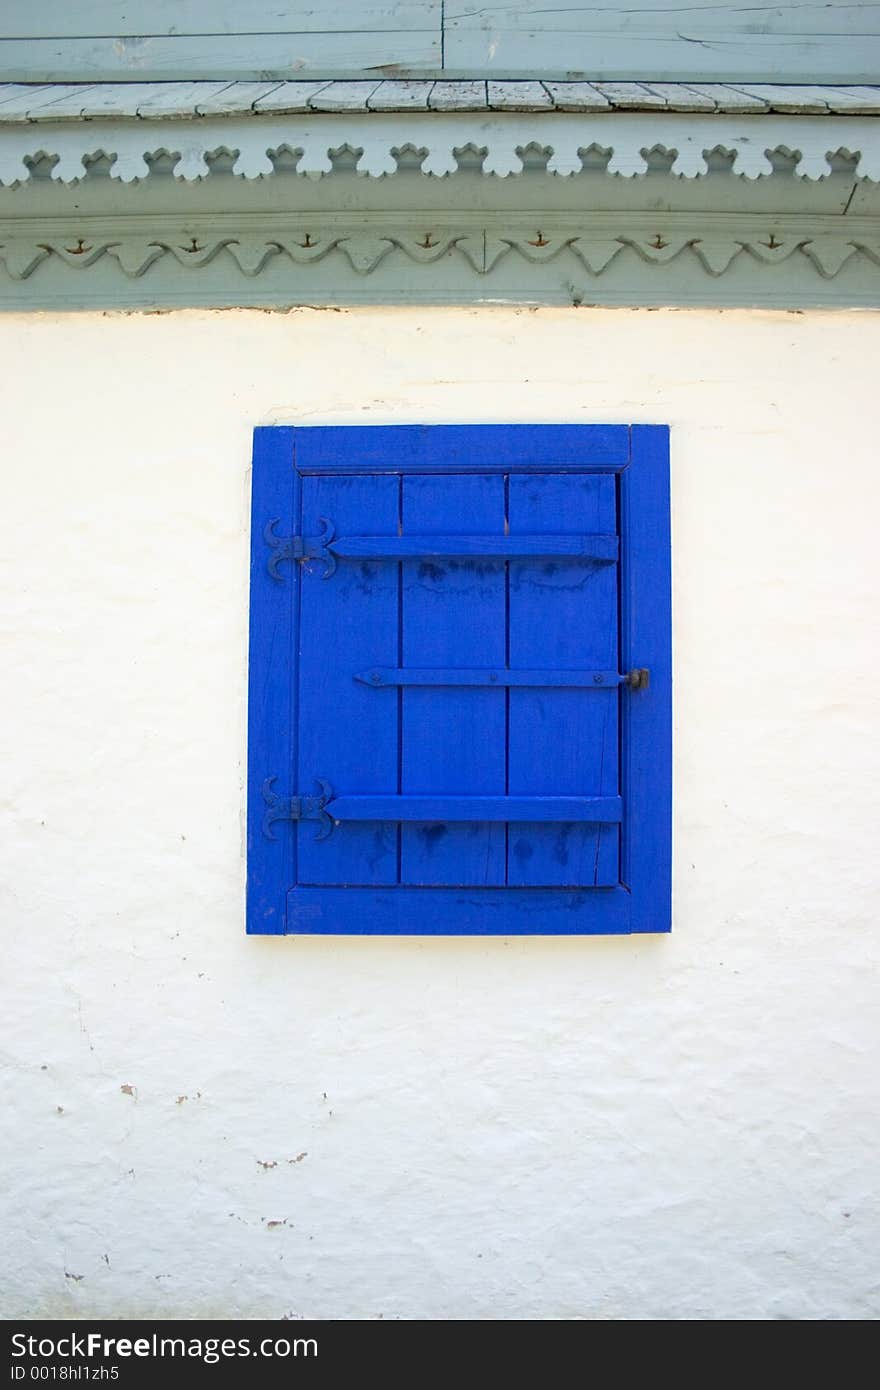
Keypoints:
pixel 699 248
pixel 313 144
pixel 627 208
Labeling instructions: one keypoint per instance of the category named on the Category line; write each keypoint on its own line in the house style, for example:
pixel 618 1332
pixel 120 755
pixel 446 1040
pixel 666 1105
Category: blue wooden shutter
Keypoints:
pixel 450 726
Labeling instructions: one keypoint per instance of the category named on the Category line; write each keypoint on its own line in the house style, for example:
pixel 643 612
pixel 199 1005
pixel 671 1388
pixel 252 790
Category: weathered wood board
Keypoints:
pixel 799 41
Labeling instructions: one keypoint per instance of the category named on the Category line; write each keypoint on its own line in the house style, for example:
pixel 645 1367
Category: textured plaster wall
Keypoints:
pixel 681 1127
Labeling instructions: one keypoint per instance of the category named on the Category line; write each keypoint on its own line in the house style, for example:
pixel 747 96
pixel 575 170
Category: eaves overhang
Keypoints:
pixel 651 199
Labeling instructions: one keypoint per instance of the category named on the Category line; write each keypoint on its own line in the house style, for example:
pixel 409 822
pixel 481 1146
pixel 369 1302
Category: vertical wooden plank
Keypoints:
pixel 646 640
pixel 563 742
pixel 453 739
pixel 348 732
pixel 271 709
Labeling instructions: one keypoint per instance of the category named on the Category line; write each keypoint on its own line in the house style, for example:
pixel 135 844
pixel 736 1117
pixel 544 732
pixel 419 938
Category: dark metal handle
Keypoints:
pixel 638 679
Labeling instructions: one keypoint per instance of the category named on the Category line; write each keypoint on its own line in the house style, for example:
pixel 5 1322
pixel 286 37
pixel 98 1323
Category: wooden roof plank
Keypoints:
pixel 458 96
pixel 577 96
pixel 631 96
pixel 21 102
pixel 42 103
pixel 238 98
pixel 178 98
pixel 401 96
pixel 728 99
pixel 518 96
pixel 344 96
pixel 786 99
pixel 16 97
pixel 290 98
pixel 851 101
pixel 678 97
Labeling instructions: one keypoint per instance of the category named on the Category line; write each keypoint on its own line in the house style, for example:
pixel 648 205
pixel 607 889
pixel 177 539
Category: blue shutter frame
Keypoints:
pixel 298 717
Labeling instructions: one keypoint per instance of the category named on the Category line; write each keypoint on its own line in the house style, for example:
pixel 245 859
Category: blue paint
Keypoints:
pixel 438 675
pixel 459 912
pixel 541 726
pixel 453 740
pixel 461 448
pixel 271 692
pixel 646 640
pixel 345 728
pixel 561 741
pixel 329 547
pixel 593 810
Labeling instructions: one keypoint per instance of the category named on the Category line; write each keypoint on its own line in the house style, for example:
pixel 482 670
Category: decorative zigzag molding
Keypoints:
pixel 709 249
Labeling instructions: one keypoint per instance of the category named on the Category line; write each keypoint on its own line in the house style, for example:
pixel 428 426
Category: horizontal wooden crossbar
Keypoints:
pixel 587 547
pixel 392 676
pixel 329 809
pixel 598 810
pixel 602 549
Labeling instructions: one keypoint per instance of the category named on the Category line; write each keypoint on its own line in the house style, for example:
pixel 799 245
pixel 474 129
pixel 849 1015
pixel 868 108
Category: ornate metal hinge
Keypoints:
pixel 600 549
pixel 332 810
pixel 296 808
pixel 299 547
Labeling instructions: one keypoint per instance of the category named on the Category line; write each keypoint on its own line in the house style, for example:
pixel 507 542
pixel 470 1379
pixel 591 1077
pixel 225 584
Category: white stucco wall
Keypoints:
pixel 205 1124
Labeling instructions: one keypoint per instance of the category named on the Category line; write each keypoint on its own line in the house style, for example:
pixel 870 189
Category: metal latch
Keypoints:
pixel 383 676
pixel 638 679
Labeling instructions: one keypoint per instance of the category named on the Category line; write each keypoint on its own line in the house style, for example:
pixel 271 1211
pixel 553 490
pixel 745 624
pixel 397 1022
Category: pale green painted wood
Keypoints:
pixel 715 58
pixel 28 19
pixel 457 96
pixel 820 147
pixel 798 42
pixel 400 96
pixel 663 16
pixel 56 286
pixel 249 56
pixel 24 104
pixel 652 238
